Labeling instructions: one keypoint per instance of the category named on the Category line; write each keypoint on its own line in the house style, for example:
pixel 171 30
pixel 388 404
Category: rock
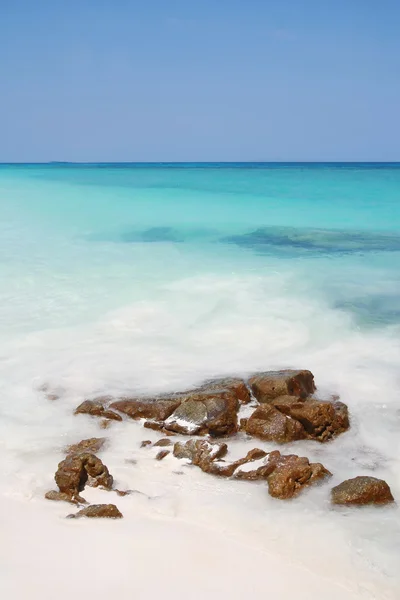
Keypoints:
pixel 158 426
pixel 243 424
pixel 232 384
pixel 256 465
pixel 162 454
pixel 268 423
pixel 285 420
pixel 286 475
pixel 199 450
pixel 163 442
pixel 98 511
pixel 321 420
pixel 63 497
pixel 147 408
pixel 89 445
pixel 214 413
pixel 51 393
pixel 77 470
pixel 145 443
pixel 97 408
pixel 362 490
pixel 291 474
pixel 271 384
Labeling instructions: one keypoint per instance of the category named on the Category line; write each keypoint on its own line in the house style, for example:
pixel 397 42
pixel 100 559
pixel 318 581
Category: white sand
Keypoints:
pixel 185 534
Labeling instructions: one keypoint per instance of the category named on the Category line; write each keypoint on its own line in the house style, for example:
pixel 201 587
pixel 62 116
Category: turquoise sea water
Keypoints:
pixel 121 277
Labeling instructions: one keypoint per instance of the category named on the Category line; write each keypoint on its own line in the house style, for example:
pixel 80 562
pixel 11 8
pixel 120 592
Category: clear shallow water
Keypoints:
pixel 119 277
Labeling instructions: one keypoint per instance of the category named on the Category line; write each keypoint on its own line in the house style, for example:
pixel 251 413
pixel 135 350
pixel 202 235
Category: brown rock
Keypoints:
pixel 162 454
pixel 232 384
pixel 263 467
pixel 97 408
pixel 77 470
pixel 268 423
pixel 147 408
pixel 98 511
pixel 268 386
pixel 163 442
pixel 63 497
pixel 145 443
pixel 321 420
pixel 291 474
pixel 157 426
pixel 243 424
pixel 89 445
pixel 206 412
pixel 199 450
pixel 362 490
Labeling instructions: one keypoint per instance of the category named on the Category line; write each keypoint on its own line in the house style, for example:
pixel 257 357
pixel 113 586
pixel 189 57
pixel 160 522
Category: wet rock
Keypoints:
pixel 163 442
pixel 321 420
pixel 98 511
pixel 269 424
pixel 158 426
pixel 362 490
pixel 271 384
pixel 214 413
pixel 232 384
pixel 77 470
pixel 97 408
pixel 198 450
pixel 162 454
pixel 150 408
pixel 291 474
pixel 89 445
pixel 63 497
pixel 51 393
pixel 145 443
pixel 285 420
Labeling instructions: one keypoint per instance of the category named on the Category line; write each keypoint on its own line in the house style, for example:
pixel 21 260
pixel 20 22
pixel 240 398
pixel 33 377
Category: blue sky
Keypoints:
pixel 160 80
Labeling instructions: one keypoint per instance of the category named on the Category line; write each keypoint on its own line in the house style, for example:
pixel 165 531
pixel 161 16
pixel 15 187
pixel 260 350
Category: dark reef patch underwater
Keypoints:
pixel 297 241
pixel 266 240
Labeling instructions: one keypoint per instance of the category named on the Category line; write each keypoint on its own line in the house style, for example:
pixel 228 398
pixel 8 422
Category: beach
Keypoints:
pixel 148 279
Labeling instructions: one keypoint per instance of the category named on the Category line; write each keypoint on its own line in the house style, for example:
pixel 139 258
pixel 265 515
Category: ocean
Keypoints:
pixel 131 278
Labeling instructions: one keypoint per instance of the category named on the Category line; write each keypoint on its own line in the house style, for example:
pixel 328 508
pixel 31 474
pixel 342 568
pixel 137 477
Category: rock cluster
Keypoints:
pixel 286 409
pixel 286 475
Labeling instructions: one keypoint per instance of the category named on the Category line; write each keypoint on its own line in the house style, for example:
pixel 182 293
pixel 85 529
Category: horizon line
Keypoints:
pixel 203 162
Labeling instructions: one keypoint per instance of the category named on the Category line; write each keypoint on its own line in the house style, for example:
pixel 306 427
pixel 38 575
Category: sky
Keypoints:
pixel 209 80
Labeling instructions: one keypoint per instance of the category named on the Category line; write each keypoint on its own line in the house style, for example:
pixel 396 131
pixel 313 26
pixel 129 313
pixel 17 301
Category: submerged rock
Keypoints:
pixel 271 384
pixel 145 443
pixel 98 511
pixel 362 490
pixel 306 241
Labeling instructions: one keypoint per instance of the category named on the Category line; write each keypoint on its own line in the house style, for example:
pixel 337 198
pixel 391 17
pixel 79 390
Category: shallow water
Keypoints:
pixel 121 278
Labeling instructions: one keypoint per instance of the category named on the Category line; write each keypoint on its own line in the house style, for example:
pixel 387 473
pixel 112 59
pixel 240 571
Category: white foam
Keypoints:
pixel 195 328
